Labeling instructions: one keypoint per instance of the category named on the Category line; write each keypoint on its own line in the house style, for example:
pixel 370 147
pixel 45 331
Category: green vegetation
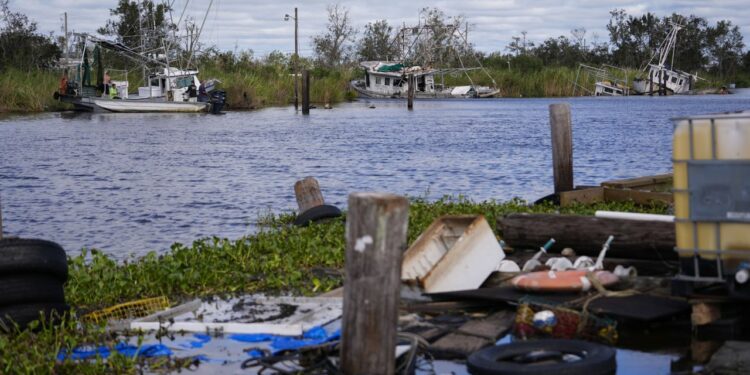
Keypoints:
pixel 28 91
pixel 280 258
pixel 256 84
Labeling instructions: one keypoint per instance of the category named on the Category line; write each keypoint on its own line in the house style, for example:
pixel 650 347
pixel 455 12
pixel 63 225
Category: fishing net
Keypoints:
pixel 567 323
pixel 129 310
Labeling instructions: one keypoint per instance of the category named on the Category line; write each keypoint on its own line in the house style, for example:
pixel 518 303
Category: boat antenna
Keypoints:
pixel 195 40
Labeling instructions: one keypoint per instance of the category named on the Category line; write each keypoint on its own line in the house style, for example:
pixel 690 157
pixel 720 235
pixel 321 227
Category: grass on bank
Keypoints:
pixel 280 258
pixel 263 85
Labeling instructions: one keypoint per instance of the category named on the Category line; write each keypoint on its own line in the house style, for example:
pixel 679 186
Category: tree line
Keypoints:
pixel 716 48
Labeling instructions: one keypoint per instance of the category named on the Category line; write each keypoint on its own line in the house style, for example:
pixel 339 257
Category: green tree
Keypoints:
pixel 139 25
pixel 334 46
pixel 724 45
pixel 378 42
pixel 21 46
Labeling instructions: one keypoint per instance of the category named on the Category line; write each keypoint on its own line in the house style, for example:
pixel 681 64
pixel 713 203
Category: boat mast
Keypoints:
pixel 195 40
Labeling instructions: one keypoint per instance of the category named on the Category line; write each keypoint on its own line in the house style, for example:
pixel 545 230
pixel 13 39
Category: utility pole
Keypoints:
pixel 143 46
pixel 295 66
pixel 65 49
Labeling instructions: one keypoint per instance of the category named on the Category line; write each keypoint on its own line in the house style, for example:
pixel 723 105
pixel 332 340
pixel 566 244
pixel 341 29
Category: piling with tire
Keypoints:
pixel 32 274
pixel 311 204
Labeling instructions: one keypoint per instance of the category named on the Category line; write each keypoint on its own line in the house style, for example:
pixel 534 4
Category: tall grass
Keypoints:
pixel 259 86
pixel 31 91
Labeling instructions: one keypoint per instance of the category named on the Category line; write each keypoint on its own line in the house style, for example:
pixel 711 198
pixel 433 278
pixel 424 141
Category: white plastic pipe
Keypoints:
pixel 271 329
pixel 634 216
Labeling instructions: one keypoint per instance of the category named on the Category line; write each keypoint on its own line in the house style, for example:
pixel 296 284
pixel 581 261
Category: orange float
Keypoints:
pixel 561 281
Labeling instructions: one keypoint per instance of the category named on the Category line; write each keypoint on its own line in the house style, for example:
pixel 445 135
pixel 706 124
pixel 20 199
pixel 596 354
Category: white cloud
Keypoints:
pixel 259 24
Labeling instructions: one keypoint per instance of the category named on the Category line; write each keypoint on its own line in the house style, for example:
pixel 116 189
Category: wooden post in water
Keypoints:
pixel 376 238
pixel 307 192
pixel 1 219
pixel 305 92
pixel 650 83
pixel 410 92
pixel 562 146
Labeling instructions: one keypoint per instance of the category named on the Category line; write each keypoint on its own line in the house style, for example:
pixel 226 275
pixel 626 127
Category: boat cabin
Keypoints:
pixel 389 78
pixel 172 83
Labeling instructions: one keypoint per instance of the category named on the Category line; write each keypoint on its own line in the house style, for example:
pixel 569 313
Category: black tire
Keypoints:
pixel 518 358
pixel 30 287
pixel 24 314
pixel 18 255
pixel 317 213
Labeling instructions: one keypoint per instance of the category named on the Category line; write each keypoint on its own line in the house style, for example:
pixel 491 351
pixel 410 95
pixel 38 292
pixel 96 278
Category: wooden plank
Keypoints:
pixel 642 183
pixel 474 335
pixel 376 229
pixel 704 313
pixel 585 234
pixel 636 196
pixel 562 146
pixel 581 196
pixel 447 306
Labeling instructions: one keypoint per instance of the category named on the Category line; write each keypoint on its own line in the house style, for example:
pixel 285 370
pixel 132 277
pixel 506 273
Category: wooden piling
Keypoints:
pixel 410 91
pixel 307 192
pixel 1 219
pixel 650 83
pixel 305 92
pixel 562 146
pixel 376 227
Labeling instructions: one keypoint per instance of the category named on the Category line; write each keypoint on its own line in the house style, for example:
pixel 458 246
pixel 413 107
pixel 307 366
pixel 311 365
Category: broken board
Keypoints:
pixel 473 335
pixel 642 307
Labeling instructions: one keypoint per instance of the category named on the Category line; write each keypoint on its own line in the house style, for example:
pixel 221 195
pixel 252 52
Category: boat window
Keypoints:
pixel 387 81
pixel 377 80
pixel 184 82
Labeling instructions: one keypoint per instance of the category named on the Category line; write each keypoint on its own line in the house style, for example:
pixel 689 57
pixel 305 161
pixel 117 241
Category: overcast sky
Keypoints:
pixel 259 25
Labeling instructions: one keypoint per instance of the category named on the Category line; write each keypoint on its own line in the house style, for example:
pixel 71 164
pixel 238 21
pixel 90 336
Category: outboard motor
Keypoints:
pixel 218 99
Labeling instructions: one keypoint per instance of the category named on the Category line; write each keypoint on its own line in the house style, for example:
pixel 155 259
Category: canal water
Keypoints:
pixel 132 183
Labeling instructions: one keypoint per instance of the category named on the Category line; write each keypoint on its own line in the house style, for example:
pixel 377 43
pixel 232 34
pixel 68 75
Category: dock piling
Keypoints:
pixel 410 92
pixel 562 146
pixel 305 92
pixel 376 228
pixel 307 192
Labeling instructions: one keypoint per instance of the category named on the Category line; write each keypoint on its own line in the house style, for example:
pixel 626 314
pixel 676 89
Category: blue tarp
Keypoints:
pixel 314 336
pixel 89 352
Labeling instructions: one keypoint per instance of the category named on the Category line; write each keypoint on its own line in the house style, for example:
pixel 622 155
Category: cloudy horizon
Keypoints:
pixel 260 26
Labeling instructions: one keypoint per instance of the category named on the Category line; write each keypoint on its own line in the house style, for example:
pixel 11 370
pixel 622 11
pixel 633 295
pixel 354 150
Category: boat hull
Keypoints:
pixel 125 106
pixel 357 86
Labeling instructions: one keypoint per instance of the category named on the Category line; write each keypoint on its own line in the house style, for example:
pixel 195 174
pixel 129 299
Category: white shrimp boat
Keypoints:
pixel 388 79
pixel 660 77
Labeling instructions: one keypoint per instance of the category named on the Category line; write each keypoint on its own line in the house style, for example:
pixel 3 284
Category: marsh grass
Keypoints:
pixel 257 86
pixel 30 91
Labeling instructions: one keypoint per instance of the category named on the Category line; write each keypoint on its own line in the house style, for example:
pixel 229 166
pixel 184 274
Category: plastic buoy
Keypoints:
pixel 561 281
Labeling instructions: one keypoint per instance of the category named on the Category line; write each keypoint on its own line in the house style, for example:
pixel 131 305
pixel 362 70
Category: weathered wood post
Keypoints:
pixel 1 219
pixel 375 240
pixel 307 192
pixel 305 92
pixel 650 83
pixel 562 146
pixel 410 92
